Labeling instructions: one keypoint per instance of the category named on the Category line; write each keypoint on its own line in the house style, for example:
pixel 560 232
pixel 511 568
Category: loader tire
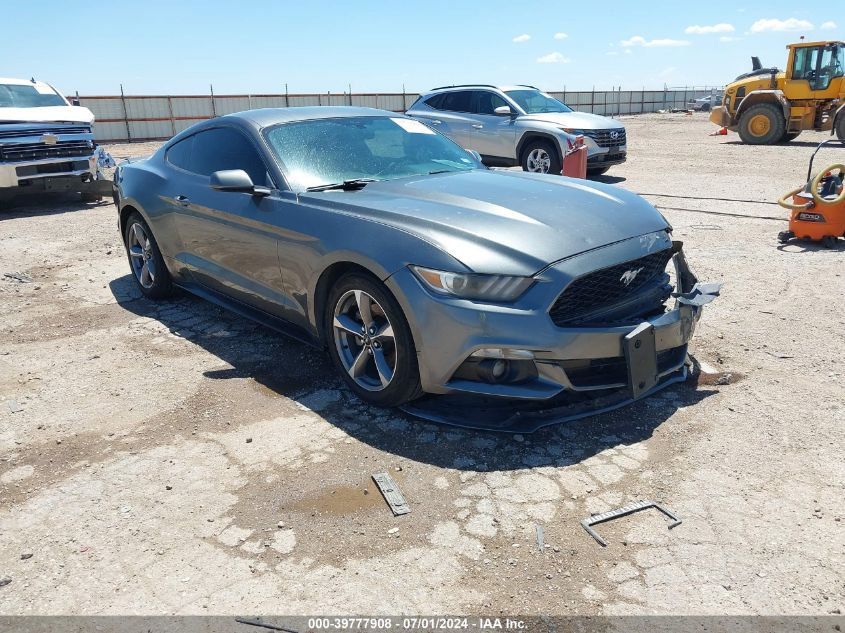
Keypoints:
pixel 762 124
pixel 840 128
pixel 791 136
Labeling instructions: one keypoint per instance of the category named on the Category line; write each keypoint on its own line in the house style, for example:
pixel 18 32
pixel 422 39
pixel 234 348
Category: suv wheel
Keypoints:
pixel 540 157
pixel 762 124
pixel 370 342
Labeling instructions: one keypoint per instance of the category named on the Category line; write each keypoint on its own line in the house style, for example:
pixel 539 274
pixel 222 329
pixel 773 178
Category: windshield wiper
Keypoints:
pixel 347 185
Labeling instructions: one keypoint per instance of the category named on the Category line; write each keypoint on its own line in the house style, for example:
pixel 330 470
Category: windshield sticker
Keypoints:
pixel 410 125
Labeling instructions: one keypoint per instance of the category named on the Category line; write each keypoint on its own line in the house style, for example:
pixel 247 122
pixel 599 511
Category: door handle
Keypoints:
pixel 183 200
pixel 477 126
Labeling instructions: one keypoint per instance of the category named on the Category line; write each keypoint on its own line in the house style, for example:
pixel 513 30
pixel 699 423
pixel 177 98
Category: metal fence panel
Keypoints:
pixel 158 117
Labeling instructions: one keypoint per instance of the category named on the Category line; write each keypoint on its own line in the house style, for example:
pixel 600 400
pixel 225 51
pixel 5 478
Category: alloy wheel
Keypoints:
pixel 539 161
pixel 364 339
pixel 141 255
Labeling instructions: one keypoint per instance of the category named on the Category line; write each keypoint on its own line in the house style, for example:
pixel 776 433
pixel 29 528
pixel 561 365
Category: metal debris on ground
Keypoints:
pixel 540 543
pixel 21 277
pixel 390 490
pixel 263 625
pixel 621 512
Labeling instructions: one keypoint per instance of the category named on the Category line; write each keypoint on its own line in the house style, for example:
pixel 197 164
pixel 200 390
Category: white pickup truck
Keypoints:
pixel 46 144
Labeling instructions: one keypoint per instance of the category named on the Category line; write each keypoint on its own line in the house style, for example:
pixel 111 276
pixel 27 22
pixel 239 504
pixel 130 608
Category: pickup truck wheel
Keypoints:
pixel 540 157
pixel 90 197
pixel 762 124
pixel 145 259
pixel 370 342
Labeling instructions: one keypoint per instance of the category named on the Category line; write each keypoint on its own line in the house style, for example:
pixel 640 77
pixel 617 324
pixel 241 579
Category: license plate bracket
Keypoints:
pixel 641 357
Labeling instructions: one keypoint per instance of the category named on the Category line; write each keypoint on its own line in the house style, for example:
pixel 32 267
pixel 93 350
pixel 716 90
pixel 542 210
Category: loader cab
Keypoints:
pixel 815 70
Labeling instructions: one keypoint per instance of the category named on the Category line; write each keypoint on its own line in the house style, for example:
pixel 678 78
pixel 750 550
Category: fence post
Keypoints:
pixel 125 115
pixel 170 111
pixel 593 100
pixel 287 101
pixel 404 102
pixel 350 94
pixel 213 108
pixel 642 101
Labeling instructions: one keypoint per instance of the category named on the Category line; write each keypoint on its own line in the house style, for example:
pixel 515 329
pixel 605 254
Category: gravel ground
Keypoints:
pixel 172 458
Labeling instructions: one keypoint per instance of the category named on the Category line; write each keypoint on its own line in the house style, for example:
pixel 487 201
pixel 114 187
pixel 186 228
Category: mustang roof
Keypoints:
pixel 270 116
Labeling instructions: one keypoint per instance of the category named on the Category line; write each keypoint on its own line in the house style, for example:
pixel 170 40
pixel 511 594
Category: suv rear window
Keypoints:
pixel 458 101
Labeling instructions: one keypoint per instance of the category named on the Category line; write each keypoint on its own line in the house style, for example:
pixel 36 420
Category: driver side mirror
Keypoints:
pixel 504 111
pixel 236 180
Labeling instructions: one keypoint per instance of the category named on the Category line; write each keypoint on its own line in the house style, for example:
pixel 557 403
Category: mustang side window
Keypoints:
pixel 224 148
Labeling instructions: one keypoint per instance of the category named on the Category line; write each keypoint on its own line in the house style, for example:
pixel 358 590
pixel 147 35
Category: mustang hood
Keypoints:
pixel 502 222
pixel 47 114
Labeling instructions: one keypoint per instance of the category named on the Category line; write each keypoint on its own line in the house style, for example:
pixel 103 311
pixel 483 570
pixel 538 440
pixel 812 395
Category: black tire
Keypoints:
pixel 555 164
pixel 90 197
pixel 597 171
pixel 772 134
pixel 829 241
pixel 404 384
pixel 840 128
pixel 705 107
pixel 790 136
pixel 162 284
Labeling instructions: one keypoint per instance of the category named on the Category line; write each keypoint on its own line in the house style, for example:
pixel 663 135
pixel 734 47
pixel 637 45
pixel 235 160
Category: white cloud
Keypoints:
pixel 791 24
pixel 522 38
pixel 639 40
pixel 561 36
pixel 553 58
pixel 828 26
pixel 722 27
pixel 728 38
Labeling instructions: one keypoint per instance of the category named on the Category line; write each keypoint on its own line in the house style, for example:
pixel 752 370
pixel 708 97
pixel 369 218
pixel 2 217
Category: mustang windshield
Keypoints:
pixel 22 96
pixel 323 152
pixel 536 102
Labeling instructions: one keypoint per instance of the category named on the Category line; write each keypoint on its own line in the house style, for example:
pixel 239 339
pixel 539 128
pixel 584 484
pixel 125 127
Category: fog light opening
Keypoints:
pixel 499 369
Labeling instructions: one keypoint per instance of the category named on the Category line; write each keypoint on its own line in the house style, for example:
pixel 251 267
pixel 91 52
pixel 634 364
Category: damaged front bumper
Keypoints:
pixel 566 373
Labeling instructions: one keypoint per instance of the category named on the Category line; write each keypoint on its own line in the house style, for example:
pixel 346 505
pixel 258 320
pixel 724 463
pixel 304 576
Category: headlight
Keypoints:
pixel 473 286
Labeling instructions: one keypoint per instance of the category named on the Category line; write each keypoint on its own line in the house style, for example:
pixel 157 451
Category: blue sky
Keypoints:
pixel 154 46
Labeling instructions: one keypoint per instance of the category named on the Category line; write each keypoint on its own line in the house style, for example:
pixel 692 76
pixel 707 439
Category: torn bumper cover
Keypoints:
pixel 592 370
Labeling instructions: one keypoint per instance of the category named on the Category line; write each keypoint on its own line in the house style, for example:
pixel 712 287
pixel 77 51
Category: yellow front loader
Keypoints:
pixel 769 106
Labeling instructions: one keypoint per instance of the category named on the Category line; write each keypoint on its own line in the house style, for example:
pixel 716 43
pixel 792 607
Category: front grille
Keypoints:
pixel 605 138
pixel 20 132
pixel 598 292
pixel 613 372
pixel 40 151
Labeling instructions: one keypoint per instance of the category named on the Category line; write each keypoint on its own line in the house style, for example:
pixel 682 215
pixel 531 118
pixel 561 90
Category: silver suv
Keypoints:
pixel 519 125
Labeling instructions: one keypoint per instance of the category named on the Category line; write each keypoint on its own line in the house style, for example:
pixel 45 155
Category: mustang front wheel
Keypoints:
pixel 370 342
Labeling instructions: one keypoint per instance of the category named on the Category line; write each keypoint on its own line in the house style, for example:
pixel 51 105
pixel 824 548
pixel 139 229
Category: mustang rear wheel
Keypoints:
pixel 370 342
pixel 145 259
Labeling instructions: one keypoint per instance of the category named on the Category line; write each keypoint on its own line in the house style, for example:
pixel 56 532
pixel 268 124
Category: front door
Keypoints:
pixel 230 239
pixel 493 135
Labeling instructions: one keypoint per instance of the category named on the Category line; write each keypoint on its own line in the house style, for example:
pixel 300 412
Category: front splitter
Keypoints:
pixel 509 415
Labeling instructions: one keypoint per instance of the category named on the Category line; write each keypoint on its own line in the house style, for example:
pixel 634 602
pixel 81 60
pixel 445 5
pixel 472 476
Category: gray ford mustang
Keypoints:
pixel 419 269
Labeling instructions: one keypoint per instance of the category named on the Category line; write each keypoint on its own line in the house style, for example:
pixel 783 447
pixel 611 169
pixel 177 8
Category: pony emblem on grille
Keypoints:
pixel 629 275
